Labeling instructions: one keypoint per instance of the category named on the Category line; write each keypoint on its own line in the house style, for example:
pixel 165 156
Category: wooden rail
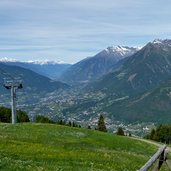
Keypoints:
pixel 160 154
pixel 168 162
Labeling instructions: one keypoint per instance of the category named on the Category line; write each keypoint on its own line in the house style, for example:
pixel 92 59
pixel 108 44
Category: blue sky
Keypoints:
pixel 70 30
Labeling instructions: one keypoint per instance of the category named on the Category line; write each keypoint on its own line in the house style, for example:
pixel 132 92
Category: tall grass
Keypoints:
pixel 60 148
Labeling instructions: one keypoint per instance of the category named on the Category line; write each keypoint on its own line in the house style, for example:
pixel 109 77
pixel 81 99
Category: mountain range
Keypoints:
pixel 139 90
pixel 142 71
pixel 92 68
pixel 50 69
pixel 31 80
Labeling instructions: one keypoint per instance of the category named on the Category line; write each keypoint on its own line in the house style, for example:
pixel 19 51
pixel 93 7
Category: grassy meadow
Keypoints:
pixel 39 147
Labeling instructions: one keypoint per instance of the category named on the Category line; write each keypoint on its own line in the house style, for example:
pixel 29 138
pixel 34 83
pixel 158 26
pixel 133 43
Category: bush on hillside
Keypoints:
pixel 5 114
pixel 22 116
pixel 43 119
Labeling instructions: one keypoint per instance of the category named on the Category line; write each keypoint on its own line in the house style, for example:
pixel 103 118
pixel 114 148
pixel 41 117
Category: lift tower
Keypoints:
pixel 13 85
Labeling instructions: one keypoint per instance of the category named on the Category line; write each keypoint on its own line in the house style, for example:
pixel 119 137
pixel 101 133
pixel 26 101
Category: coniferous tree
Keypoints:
pixel 69 123
pixel 101 124
pixel 120 131
pixel 43 119
pixel 74 124
pixel 152 135
pixel 89 127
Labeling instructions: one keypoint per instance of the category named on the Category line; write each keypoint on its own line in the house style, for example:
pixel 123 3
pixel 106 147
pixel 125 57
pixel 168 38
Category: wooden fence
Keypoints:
pixel 157 160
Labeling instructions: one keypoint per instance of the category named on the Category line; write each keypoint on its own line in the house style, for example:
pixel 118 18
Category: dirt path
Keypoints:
pixel 168 149
pixel 148 141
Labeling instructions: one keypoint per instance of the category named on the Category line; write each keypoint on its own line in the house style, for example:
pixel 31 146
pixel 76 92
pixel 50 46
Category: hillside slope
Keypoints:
pixel 35 87
pixel 151 106
pixel 53 147
pixel 32 82
pixel 51 70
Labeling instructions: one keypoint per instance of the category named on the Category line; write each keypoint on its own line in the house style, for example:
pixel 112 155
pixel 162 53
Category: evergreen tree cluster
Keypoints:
pixel 162 134
pixel 43 119
pixel 5 115
pixel 73 124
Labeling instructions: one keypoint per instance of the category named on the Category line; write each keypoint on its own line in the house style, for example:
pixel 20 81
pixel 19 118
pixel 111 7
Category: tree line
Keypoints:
pixel 5 116
pixel 161 134
pixel 101 126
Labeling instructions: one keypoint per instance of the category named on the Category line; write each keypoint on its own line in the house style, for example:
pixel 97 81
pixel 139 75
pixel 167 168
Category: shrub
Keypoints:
pixel 43 119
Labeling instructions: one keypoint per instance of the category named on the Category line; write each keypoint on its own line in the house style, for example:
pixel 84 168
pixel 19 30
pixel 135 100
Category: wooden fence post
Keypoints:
pixel 161 159
pixel 159 154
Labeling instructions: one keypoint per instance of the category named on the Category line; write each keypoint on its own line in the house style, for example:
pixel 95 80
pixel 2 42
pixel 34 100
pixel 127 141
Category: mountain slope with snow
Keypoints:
pixel 94 67
pixel 50 69
pixel 142 71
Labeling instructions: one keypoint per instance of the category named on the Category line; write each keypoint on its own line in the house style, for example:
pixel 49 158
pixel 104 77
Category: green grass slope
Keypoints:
pixel 59 148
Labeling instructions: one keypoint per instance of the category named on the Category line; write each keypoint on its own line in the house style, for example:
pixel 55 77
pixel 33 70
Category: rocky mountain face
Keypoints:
pixel 94 67
pixel 50 69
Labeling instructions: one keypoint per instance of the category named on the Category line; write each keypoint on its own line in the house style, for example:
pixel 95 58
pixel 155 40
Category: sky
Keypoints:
pixel 71 30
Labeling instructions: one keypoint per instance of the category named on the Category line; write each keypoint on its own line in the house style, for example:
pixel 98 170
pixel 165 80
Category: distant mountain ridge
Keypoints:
pixel 92 68
pixel 32 81
pixel 41 62
pixel 50 69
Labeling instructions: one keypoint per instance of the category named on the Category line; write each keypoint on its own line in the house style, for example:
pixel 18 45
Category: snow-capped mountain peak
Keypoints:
pixel 38 62
pixel 162 42
pixel 157 41
pixel 5 59
pixel 46 62
pixel 122 50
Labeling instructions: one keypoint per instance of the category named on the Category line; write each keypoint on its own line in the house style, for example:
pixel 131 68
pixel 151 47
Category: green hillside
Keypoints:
pixel 53 147
pixel 151 106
